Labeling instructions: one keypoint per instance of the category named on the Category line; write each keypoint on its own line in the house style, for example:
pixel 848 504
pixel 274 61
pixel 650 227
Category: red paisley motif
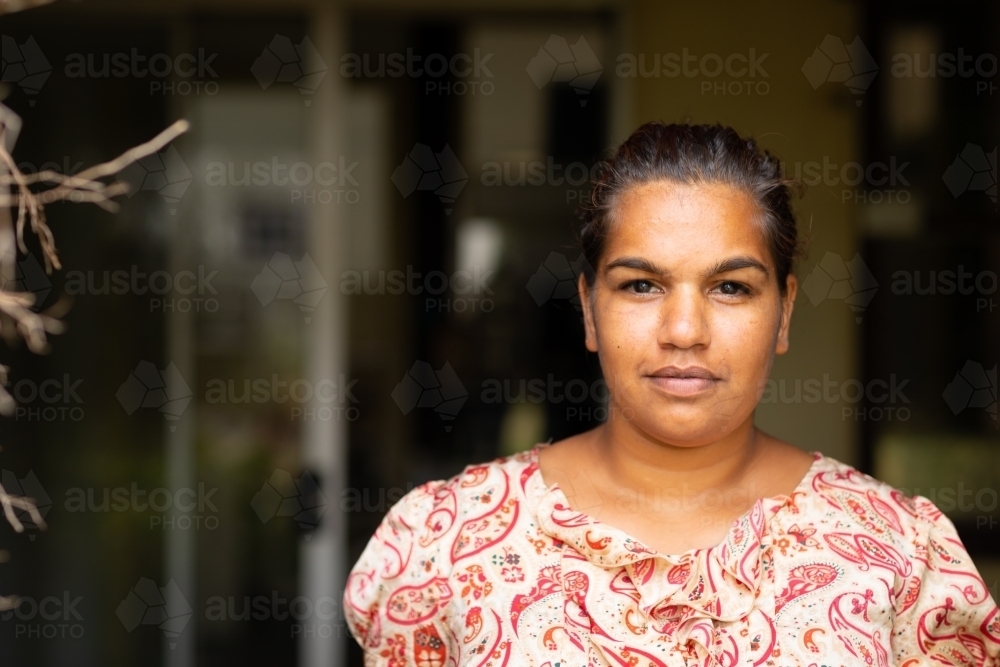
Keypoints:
pixel 409 605
pixel 803 580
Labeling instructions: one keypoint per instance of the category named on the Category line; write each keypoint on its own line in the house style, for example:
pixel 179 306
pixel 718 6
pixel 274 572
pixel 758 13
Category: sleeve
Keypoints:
pixel 396 596
pixel 945 614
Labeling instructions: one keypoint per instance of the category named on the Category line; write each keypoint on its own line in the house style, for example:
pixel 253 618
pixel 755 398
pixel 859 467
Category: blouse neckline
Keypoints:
pixel 719 582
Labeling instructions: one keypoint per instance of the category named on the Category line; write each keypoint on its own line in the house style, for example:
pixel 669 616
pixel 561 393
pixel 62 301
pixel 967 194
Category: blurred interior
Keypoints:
pixel 522 326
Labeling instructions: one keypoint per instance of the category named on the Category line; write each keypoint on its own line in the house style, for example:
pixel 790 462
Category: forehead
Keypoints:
pixel 668 219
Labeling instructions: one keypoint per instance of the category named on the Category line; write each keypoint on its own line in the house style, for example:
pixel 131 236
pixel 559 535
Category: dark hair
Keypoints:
pixel 693 154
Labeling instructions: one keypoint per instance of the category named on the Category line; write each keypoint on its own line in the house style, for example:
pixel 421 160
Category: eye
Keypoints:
pixel 733 288
pixel 638 286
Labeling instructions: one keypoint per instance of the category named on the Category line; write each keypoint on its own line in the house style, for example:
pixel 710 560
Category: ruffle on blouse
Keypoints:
pixel 682 596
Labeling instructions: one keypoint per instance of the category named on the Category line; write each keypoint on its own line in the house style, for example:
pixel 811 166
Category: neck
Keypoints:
pixel 635 460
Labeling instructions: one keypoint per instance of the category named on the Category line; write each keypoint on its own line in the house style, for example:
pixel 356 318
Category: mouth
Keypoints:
pixel 683 382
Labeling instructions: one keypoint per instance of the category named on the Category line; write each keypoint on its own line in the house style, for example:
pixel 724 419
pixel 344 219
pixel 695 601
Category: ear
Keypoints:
pixel 589 328
pixel 787 306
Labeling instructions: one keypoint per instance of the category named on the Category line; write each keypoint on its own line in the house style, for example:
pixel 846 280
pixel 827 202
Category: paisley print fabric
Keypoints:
pixel 493 568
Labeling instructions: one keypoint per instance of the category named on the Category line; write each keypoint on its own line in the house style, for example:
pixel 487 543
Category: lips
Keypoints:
pixel 684 382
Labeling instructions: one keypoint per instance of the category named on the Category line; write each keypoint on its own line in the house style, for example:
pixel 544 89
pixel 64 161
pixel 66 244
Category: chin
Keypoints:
pixel 688 428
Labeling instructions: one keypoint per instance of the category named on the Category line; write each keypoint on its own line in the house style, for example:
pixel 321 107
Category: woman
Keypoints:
pixel 675 533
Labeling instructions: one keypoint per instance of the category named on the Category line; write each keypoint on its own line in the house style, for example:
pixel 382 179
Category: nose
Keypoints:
pixel 684 319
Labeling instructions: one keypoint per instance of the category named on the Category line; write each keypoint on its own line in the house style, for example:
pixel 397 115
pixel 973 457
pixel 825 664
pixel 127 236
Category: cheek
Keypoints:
pixel 747 340
pixel 624 328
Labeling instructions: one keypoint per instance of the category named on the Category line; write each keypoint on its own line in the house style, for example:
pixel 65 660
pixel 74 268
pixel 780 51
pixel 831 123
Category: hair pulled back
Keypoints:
pixel 692 155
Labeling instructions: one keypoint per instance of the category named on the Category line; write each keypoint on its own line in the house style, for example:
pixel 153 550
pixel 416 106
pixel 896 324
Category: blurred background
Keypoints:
pixel 355 274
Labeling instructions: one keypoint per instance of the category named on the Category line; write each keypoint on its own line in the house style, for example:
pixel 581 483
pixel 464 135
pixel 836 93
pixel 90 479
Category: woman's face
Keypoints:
pixel 685 311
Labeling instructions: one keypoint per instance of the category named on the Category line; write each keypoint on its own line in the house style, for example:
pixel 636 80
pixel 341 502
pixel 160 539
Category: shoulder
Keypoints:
pixel 433 508
pixel 845 532
pixel 402 575
pixel 425 516
pixel 850 496
pixel 871 524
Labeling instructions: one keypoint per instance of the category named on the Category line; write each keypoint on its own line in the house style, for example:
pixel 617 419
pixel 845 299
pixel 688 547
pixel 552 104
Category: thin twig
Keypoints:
pixel 22 503
pixel 81 187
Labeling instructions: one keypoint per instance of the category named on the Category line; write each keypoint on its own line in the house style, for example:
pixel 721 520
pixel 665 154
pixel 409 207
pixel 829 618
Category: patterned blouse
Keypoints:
pixel 493 568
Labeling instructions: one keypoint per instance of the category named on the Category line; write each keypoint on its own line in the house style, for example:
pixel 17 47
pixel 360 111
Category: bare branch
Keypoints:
pixel 17 319
pixel 81 187
pixel 9 502
pixel 125 159
pixel 31 326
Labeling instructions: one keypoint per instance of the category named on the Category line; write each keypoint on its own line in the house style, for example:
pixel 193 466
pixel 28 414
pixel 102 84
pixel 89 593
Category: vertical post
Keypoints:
pixel 179 546
pixel 322 555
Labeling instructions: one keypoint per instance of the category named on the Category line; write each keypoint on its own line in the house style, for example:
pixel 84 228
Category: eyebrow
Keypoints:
pixel 724 266
pixel 737 263
pixel 637 263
